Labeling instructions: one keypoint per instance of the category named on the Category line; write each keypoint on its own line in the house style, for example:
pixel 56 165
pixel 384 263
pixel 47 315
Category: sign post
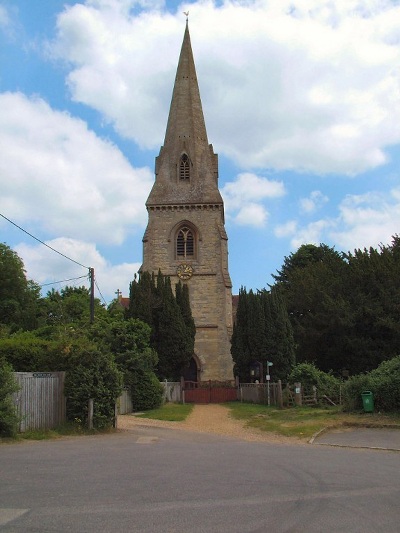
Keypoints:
pixel 268 378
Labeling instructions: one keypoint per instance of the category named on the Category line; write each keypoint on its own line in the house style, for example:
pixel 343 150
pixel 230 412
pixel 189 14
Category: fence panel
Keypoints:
pixel 258 393
pixel 172 391
pixel 124 403
pixel 40 402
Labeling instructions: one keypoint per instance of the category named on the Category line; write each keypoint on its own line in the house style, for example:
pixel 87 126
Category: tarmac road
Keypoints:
pixel 161 480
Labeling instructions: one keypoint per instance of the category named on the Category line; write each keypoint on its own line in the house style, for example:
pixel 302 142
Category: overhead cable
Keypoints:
pixel 41 242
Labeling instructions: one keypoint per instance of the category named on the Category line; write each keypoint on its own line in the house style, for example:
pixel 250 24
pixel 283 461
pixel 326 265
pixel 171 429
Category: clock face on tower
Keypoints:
pixel 184 271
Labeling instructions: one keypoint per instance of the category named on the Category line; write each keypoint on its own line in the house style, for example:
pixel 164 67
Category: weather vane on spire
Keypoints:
pixel 187 15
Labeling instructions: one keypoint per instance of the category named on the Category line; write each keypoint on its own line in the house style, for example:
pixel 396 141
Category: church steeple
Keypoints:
pixel 185 237
pixel 186 120
pixel 186 168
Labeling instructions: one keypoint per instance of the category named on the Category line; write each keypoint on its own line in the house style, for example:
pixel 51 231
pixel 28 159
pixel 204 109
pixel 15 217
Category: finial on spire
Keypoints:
pixel 187 15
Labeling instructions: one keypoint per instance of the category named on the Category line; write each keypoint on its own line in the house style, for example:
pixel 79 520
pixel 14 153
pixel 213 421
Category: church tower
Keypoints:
pixel 185 236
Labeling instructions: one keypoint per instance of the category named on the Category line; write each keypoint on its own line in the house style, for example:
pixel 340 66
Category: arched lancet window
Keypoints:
pixel 184 167
pixel 185 243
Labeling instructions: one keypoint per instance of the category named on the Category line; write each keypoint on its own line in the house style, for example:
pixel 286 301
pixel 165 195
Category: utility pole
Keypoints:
pixel 91 276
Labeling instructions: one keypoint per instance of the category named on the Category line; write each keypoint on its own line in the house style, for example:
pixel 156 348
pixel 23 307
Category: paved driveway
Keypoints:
pixel 161 480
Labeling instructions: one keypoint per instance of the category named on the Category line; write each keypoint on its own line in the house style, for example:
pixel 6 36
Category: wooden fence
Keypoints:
pixel 172 391
pixel 262 393
pixel 124 403
pixel 40 402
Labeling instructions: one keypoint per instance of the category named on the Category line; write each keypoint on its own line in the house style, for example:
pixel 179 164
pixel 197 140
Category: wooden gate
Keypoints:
pixel 210 391
pixel 40 401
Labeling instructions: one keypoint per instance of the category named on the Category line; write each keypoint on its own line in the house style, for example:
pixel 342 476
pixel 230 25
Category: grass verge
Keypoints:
pixel 304 422
pixel 172 412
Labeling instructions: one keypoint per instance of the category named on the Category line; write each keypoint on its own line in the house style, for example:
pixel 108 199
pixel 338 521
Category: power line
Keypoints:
pixel 100 292
pixel 62 281
pixel 41 242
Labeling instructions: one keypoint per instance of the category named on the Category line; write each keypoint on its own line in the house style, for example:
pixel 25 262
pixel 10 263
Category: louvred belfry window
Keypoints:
pixel 185 243
pixel 184 168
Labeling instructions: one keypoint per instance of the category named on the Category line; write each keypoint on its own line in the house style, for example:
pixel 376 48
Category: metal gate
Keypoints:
pixel 210 391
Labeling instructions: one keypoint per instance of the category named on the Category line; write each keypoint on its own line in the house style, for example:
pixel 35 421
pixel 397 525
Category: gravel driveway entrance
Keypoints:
pixel 210 418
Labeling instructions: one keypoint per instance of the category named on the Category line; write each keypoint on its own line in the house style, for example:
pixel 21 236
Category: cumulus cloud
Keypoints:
pixel 315 201
pixel 308 85
pixel 244 198
pixel 65 180
pixel 367 220
pixel 360 221
pixel 44 266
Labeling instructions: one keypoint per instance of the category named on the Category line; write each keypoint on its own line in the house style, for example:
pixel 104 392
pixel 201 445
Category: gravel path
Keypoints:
pixel 210 418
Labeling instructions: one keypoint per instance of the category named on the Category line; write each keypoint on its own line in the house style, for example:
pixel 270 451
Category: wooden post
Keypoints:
pixel 115 424
pixel 297 394
pixel 280 395
pixel 90 413
pixel 91 276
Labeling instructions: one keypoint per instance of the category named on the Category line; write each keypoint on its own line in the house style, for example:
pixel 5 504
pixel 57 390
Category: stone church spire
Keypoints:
pixel 185 237
pixel 186 137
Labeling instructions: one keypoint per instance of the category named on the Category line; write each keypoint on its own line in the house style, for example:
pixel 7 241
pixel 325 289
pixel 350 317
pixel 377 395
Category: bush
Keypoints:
pixel 309 375
pixel 27 353
pixel 145 389
pixel 8 416
pixel 94 377
pixel 383 382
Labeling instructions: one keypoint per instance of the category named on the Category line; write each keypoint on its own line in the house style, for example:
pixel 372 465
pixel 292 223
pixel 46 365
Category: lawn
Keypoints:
pixel 173 412
pixel 304 422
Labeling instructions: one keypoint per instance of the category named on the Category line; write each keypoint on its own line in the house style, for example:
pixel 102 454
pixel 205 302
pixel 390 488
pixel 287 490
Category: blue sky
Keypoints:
pixel 301 102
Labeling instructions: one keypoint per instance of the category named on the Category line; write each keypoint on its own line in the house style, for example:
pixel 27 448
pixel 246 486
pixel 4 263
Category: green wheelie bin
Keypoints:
pixel 368 401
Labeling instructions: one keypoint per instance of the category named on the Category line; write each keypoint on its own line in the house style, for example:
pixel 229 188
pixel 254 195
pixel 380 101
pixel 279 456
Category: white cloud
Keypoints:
pixel 63 179
pixel 243 198
pixel 286 230
pixel 360 221
pixel 315 201
pixel 286 84
pixel 5 20
pixel 45 266
pixel 368 220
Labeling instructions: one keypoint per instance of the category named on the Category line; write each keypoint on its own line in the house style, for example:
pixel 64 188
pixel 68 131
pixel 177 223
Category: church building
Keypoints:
pixel 185 237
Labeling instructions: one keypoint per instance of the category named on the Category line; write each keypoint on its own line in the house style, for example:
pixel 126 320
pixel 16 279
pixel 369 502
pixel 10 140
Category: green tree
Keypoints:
pixel 280 346
pixel 129 341
pixel 172 341
pixel 8 416
pixel 240 349
pixel 172 337
pixel 18 296
pixel 262 332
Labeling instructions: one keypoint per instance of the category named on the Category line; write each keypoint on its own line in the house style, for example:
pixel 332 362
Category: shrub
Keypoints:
pixel 27 353
pixel 94 377
pixel 8 416
pixel 309 375
pixel 145 389
pixel 383 382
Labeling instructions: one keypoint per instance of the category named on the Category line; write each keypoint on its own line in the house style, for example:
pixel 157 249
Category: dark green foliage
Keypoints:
pixel 241 355
pixel 173 343
pixel 18 296
pixel 280 348
pixel 129 341
pixel 28 353
pixel 343 308
pixel 92 375
pixel 383 382
pixel 69 307
pixel 309 375
pixel 262 332
pixel 8 416
pixel 170 319
pixel 146 390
